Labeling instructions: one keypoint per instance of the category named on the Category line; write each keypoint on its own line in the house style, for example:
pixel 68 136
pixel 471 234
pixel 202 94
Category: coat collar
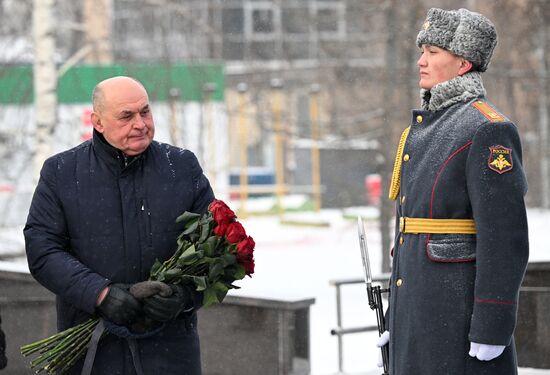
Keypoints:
pixel 459 89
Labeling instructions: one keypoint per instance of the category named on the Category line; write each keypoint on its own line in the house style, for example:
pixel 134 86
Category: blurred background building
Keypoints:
pixel 216 67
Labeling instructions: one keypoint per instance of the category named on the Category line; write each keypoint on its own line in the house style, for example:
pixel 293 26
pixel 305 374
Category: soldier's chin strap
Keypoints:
pixel 92 349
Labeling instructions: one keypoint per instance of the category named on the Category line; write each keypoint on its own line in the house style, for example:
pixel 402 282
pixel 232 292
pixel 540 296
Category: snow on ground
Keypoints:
pixel 295 262
pixel 298 262
pixel 538 221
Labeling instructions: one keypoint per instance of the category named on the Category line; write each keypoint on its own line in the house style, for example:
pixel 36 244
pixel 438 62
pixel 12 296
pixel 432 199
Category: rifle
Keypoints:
pixel 374 292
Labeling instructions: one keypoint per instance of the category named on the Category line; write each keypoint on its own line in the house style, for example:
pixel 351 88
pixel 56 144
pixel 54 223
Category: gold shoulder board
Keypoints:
pixel 488 111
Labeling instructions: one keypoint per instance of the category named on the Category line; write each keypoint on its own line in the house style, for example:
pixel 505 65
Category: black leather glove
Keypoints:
pixel 3 359
pixel 119 306
pixel 163 308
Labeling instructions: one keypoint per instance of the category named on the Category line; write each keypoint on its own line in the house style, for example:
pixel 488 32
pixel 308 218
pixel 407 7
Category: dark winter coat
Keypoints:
pixel 97 218
pixel 448 290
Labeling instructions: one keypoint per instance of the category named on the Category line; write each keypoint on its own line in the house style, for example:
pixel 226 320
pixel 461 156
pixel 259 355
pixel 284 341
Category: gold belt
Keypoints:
pixel 436 226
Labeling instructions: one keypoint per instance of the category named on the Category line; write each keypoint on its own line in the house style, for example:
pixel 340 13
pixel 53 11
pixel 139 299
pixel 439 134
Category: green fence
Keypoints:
pixel 76 85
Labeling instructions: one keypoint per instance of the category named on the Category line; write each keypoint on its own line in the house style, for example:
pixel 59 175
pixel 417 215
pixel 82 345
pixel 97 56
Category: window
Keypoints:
pixel 296 50
pixel 331 20
pixel 295 20
pixel 327 20
pixel 233 21
pixel 263 21
pixel 263 51
pixel 233 50
pixel 233 33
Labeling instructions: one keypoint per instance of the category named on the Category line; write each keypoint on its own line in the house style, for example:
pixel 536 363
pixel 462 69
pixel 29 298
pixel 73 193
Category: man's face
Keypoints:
pixel 125 117
pixel 437 65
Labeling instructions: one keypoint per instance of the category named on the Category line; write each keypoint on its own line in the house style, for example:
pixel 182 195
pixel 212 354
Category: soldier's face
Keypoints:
pixel 438 65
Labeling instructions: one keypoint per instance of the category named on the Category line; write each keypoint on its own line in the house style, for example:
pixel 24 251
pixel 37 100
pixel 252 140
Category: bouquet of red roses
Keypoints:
pixel 212 252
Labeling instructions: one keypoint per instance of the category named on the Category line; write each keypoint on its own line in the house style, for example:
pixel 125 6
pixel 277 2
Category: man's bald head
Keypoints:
pixel 113 83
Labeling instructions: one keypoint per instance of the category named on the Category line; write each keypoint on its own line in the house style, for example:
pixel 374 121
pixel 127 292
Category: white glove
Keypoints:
pixel 485 352
pixel 382 340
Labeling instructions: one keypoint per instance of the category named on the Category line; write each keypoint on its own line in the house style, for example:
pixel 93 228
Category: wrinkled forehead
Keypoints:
pixel 124 95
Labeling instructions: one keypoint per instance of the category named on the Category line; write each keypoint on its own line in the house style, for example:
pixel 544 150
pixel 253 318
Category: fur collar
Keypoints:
pixel 459 89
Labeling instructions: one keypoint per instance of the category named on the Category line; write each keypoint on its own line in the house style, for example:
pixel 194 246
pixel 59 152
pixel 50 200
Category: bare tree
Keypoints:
pixel 97 25
pixel 45 79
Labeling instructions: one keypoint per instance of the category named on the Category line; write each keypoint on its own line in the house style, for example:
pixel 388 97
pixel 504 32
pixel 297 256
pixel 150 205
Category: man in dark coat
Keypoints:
pixel 102 213
pixel 461 240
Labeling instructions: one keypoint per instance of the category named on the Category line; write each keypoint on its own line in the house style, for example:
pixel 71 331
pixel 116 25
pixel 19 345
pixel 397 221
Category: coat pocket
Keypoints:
pixel 451 249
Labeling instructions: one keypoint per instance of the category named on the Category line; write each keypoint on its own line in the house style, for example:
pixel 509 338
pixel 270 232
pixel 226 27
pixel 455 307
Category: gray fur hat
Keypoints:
pixel 462 32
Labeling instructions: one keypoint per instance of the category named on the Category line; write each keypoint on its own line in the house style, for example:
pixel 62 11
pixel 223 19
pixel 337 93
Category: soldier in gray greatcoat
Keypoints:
pixel 461 240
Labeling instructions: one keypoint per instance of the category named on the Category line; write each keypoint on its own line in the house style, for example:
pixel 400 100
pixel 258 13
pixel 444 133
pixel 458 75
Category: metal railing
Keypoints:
pixel 340 331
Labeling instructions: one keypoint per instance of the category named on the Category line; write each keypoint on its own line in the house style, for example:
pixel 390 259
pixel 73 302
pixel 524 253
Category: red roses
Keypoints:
pixel 220 229
pixel 221 212
pixel 228 226
pixel 245 254
pixel 235 233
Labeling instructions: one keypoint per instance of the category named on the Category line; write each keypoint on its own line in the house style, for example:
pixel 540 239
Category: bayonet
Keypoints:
pixel 366 260
pixel 374 293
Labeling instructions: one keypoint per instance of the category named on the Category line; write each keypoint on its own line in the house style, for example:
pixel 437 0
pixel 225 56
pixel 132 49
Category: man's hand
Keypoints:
pixel 485 352
pixel 119 306
pixel 162 307
pixel 382 340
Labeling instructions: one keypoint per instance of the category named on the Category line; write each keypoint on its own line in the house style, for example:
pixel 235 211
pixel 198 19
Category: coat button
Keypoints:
pixel 406 157
pixel 399 282
pixel 403 199
pixel 419 119
pixel 401 240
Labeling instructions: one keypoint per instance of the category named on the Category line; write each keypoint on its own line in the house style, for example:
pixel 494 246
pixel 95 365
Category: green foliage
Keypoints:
pixel 210 245
pixel 156 267
pixel 191 222
pixel 215 293
pixel 199 281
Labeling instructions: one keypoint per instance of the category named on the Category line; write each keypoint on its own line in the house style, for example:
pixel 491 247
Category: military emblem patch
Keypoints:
pixel 500 159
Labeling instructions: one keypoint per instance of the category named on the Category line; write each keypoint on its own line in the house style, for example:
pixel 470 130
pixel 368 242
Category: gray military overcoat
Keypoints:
pixel 460 162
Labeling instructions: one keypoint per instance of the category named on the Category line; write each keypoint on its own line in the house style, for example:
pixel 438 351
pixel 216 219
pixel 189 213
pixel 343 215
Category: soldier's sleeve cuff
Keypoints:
pixel 493 322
